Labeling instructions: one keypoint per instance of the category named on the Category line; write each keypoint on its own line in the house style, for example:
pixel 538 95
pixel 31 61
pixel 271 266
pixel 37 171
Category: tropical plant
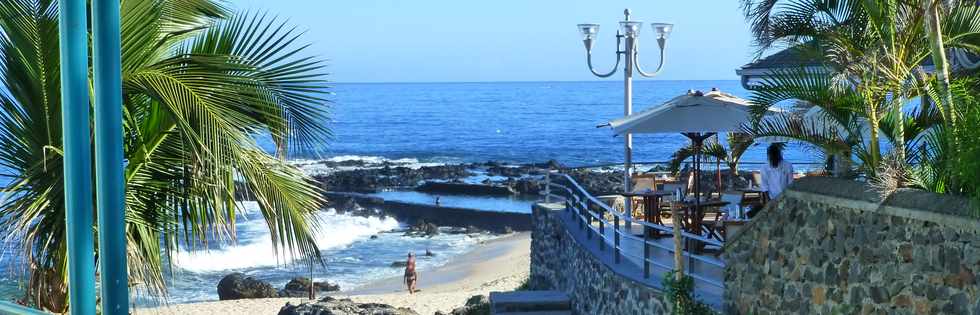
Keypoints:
pixel 679 296
pixel 200 84
pixel 871 52
pixel 947 159
pixel 731 155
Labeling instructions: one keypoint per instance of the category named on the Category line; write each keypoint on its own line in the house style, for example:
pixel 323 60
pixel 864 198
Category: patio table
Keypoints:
pixel 694 217
pixel 651 207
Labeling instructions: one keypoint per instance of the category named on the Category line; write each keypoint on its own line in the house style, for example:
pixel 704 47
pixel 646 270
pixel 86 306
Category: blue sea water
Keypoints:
pixel 518 122
pixel 505 121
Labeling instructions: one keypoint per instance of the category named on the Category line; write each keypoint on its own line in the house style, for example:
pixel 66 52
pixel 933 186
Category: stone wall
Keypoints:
pixel 561 260
pixel 829 246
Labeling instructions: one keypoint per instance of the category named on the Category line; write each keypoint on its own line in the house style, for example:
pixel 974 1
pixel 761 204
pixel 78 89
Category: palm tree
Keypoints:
pixel 731 155
pixel 871 51
pixel 200 84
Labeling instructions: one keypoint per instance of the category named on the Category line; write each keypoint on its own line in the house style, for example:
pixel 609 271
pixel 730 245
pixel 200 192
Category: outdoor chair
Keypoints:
pixel 642 183
pixel 756 178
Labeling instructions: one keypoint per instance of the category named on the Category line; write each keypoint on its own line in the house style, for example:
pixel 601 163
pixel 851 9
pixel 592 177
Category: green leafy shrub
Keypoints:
pixel 679 294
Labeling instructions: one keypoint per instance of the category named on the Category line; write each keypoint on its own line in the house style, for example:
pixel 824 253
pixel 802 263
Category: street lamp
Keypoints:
pixel 630 31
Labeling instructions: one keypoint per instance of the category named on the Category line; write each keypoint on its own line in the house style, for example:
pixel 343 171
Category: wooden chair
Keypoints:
pixel 642 183
pixel 757 178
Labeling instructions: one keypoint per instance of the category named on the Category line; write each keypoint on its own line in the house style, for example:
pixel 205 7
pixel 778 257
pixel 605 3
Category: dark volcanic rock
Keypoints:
pixel 527 186
pixel 475 305
pixel 599 183
pixel 237 286
pixel 300 287
pixel 332 306
pixel 343 205
pixel 373 179
pixel 398 264
pixel 422 228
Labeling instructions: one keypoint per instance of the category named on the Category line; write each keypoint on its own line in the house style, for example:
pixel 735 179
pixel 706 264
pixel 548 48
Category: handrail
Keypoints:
pixel 600 165
pixel 588 210
pixel 625 218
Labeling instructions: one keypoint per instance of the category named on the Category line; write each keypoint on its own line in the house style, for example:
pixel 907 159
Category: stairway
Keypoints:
pixel 530 303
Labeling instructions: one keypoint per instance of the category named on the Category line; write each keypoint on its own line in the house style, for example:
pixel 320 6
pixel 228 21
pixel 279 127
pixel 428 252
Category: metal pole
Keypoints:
pixel 109 166
pixel 602 230
pixel 616 238
pixel 547 186
pixel 73 38
pixel 628 138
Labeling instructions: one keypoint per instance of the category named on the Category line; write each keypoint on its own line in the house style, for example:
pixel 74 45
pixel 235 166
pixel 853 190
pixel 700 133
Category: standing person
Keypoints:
pixel 411 276
pixel 778 173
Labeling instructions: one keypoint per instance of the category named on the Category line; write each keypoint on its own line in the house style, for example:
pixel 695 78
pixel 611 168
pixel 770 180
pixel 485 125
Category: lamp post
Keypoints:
pixel 630 32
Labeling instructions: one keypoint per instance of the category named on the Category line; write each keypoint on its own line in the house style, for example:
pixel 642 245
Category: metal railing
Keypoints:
pixel 590 213
pixel 743 165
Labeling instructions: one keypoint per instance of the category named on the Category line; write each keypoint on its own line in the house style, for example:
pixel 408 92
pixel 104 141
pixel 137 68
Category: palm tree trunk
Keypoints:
pixel 873 125
pixel 931 8
pixel 899 136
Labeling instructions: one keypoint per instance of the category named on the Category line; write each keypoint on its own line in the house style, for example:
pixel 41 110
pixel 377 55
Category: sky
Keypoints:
pixel 509 40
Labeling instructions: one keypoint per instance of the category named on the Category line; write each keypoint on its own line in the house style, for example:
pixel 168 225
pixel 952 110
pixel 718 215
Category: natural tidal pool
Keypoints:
pixel 516 204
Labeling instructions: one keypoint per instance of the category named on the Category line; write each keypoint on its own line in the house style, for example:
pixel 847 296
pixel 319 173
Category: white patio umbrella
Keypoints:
pixel 696 115
pixel 693 112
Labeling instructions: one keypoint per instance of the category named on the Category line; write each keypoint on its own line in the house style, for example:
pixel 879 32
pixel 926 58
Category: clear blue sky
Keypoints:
pixel 508 40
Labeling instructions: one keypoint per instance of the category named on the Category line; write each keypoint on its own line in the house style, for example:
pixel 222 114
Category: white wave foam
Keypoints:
pixel 337 230
pixel 371 159
pixel 319 167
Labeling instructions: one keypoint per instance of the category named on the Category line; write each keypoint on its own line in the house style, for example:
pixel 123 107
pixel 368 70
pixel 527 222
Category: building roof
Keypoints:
pixel 786 58
pixel 796 58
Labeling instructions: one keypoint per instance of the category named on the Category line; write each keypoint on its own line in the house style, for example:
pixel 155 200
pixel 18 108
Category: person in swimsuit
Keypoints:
pixel 411 276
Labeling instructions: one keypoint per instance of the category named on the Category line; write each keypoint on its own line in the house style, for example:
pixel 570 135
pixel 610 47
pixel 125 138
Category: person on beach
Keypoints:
pixel 411 276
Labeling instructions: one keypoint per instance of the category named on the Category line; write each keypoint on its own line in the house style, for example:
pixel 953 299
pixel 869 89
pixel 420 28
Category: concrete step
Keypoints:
pixel 530 302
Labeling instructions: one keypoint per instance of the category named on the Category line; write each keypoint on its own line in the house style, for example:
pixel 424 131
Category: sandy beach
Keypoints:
pixel 501 264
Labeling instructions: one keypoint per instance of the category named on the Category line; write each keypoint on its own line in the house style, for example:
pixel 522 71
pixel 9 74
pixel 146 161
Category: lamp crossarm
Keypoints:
pixel 636 60
pixel 618 57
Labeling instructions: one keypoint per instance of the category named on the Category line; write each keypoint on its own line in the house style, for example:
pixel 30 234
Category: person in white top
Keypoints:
pixel 778 173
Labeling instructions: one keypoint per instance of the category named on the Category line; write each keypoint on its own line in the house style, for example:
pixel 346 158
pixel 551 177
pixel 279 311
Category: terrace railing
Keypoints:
pixel 593 217
pixel 743 165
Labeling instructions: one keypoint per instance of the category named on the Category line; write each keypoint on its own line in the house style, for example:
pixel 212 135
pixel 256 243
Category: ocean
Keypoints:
pixel 506 121
pixel 425 124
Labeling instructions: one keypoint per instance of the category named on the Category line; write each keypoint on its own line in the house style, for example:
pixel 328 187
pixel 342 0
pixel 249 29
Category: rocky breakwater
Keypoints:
pixel 333 306
pixel 362 176
pixel 372 179
pixel 437 216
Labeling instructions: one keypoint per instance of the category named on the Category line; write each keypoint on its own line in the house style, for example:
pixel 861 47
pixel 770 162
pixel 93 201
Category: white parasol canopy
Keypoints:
pixel 714 111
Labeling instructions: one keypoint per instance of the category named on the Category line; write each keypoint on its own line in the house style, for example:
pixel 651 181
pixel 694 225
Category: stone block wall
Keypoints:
pixel 830 247
pixel 560 261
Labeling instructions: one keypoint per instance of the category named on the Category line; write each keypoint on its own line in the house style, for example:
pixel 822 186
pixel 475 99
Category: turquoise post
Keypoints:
pixel 109 165
pixel 73 37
